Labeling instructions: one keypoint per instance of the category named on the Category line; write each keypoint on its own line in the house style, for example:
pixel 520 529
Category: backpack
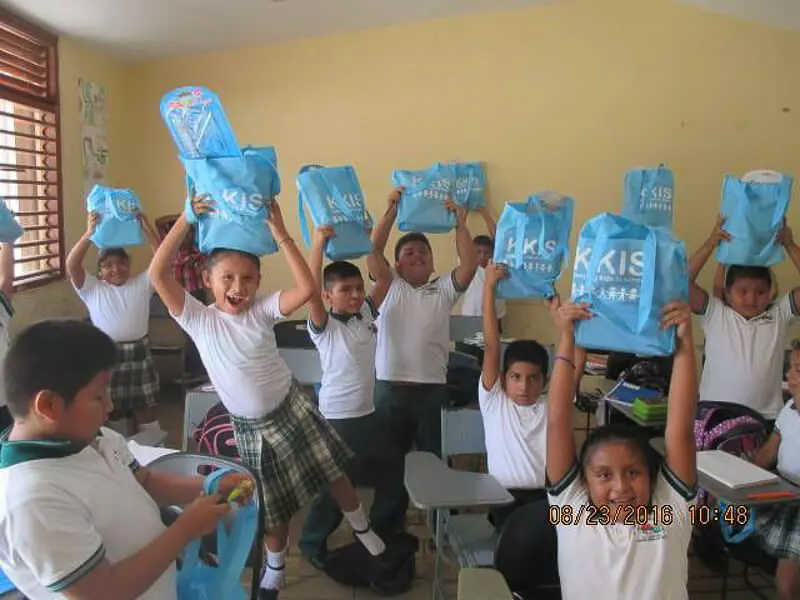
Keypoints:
pixel 350 565
pixel 214 434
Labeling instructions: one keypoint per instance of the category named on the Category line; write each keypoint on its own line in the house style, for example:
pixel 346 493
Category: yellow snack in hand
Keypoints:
pixel 246 487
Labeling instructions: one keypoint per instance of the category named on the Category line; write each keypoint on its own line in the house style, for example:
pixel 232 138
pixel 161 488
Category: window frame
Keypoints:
pixel 52 104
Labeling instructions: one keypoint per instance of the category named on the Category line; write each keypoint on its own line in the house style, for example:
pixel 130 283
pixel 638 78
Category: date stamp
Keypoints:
pixel 589 514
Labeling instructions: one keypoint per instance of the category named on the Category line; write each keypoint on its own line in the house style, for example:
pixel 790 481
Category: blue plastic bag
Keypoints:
pixel 649 196
pixel 532 240
pixel 118 209
pixel 197 122
pixel 10 229
pixel 628 272
pixel 241 188
pixel 754 213
pixel 469 182
pixel 422 204
pixel 197 581
pixel 333 196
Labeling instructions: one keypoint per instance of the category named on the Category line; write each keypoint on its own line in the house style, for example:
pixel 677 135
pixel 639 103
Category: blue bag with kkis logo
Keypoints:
pixel 649 196
pixel 469 182
pixel 10 229
pixel 119 225
pixel 532 241
pixel 333 196
pixel 628 272
pixel 754 213
pixel 422 203
pixel 198 581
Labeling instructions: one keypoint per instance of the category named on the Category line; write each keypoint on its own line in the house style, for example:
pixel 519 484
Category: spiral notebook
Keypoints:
pixel 732 471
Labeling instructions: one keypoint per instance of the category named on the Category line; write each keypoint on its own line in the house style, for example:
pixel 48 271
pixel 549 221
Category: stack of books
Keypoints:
pixel 650 409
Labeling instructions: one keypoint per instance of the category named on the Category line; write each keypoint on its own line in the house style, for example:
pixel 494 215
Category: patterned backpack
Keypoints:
pixel 214 434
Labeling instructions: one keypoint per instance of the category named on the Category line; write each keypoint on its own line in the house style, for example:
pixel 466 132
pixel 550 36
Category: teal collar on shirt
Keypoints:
pixel 346 318
pixel 18 452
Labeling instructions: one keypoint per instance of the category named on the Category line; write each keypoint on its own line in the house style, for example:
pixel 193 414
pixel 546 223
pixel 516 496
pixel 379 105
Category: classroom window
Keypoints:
pixel 30 169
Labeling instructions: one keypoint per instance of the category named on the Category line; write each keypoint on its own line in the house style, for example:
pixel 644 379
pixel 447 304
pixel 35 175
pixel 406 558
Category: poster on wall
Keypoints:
pixel 94 145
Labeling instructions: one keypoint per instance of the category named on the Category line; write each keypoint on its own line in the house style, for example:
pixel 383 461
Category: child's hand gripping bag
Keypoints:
pixel 333 196
pixel 198 581
pixel 649 196
pixel 469 181
pixel 10 229
pixel 628 272
pixel 119 209
pixel 532 240
pixel 754 209
pixel 422 203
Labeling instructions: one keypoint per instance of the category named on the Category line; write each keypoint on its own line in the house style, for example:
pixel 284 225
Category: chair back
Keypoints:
pixel 463 327
pixel 526 552
pixel 292 334
pixel 462 431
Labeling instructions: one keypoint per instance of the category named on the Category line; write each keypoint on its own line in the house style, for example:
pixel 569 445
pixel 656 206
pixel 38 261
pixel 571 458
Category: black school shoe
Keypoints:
pixel 265 594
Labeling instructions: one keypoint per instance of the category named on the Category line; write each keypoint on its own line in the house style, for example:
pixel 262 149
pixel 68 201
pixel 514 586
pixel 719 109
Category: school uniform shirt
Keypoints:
pixel 744 357
pixel 121 311
pixel 516 438
pixel 346 346
pixel 472 304
pixel 414 331
pixel 240 353
pixel 65 509
pixel 788 426
pixel 619 561
pixel 6 313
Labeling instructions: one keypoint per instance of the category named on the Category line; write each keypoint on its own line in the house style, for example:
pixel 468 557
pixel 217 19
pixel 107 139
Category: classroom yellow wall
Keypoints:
pixel 75 61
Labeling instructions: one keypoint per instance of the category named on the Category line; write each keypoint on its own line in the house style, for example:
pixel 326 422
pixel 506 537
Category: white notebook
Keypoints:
pixel 731 470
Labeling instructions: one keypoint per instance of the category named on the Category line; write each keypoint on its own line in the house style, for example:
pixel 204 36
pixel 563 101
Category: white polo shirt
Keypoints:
pixel 63 511
pixel 414 331
pixel 744 357
pixel 240 353
pixel 6 313
pixel 346 347
pixel 472 303
pixel 516 438
pixel 623 561
pixel 121 311
pixel 788 426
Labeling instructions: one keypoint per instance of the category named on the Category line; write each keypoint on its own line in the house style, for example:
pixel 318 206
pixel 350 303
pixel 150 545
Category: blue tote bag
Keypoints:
pixel 469 181
pixel 628 272
pixel 649 196
pixel 118 209
pixel 10 229
pixel 532 240
pixel 198 581
pixel 333 196
pixel 422 204
pixel 241 188
pixel 754 213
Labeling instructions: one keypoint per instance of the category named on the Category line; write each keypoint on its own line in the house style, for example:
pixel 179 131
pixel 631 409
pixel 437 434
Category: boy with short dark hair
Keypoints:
pixel 79 516
pixel 472 303
pixel 345 337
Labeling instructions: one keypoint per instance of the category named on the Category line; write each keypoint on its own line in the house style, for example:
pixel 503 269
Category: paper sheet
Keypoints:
pixel 147 454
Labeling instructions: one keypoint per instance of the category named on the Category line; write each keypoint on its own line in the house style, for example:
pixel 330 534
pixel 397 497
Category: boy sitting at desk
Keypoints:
pixel 778 528
pixel 79 516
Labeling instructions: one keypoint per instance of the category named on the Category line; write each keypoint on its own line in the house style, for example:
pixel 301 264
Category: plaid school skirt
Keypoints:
pixel 296 452
pixel 135 381
pixel 778 530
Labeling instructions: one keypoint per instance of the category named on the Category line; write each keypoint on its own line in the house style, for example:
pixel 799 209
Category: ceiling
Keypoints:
pixel 138 30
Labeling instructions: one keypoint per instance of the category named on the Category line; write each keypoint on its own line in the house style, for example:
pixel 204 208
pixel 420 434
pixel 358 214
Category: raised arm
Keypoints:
pixel 786 238
pixel 465 248
pixel 380 235
pixel 7 269
pixel 682 402
pixel 491 224
pixel 698 297
pixel 75 269
pixel 491 328
pixel 719 281
pixel 381 273
pixel 318 315
pixel 304 287
pixel 561 453
pixel 149 231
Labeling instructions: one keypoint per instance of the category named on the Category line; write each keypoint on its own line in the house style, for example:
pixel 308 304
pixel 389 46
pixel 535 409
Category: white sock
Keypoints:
pixel 274 568
pixel 152 425
pixel 360 523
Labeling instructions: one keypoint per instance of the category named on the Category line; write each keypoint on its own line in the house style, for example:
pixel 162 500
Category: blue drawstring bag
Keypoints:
pixel 119 225
pixel 241 188
pixel 628 272
pixel 532 240
pixel 422 204
pixel 754 214
pixel 197 122
pixel 10 229
pixel 333 196
pixel 649 196
pixel 198 581
pixel 469 182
